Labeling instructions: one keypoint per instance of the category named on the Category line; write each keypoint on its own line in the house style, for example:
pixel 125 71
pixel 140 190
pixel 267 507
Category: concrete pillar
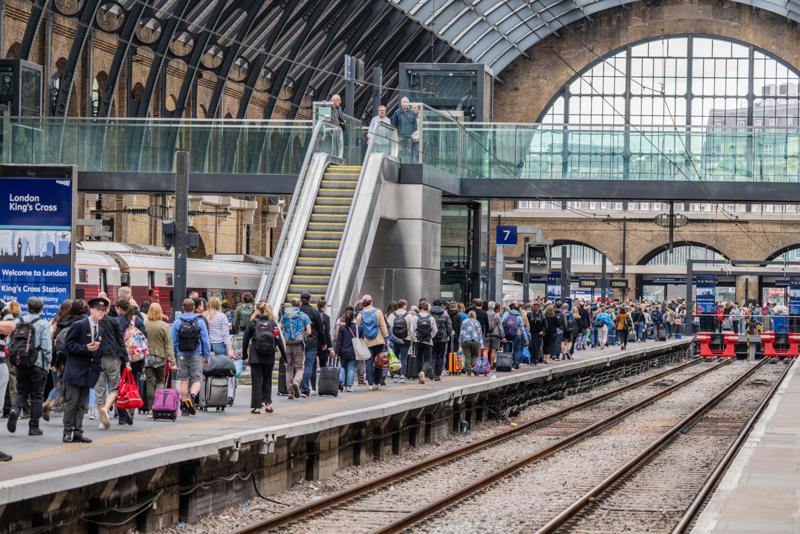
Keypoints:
pixel 328 458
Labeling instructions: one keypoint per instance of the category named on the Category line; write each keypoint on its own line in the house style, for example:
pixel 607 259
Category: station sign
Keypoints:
pixel 706 293
pixel 36 235
pixel 794 296
pixel 591 282
pixel 618 283
pixel 506 235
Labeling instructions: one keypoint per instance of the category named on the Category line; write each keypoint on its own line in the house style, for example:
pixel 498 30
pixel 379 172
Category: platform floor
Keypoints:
pixel 761 490
pixel 44 465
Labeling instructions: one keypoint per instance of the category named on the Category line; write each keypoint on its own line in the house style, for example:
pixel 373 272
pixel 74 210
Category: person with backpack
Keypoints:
pixel 567 326
pixel 423 332
pixel 538 324
pixel 374 331
pixel 134 337
pixel 243 312
pixel 347 332
pixel 515 333
pixel 603 323
pixel 296 327
pixel 30 351
pixel 78 310
pixel 262 338
pixel 442 339
pixel 160 351
pixel 399 322
pixel 7 327
pixel 315 342
pixel 192 349
pixel 658 323
pixel 624 325
pixel 471 340
pixel 112 356
pixel 495 333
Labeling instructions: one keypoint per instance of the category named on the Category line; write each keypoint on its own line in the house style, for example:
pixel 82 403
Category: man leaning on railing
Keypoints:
pixel 405 120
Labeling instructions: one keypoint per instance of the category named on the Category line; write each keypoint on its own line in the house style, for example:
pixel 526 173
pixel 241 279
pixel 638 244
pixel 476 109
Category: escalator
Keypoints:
pixel 323 234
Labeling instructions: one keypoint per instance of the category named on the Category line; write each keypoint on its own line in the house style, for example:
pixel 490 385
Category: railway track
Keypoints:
pixel 478 461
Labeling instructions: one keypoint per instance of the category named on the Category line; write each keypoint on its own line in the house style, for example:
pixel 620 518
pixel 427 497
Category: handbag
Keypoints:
pixel 362 351
pixel 394 362
pixel 128 396
pixel 381 360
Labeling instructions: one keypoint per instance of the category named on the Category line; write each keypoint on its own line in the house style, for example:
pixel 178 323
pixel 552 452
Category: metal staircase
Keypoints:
pixel 323 235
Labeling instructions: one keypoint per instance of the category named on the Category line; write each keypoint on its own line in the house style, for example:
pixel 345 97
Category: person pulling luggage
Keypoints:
pixel 263 336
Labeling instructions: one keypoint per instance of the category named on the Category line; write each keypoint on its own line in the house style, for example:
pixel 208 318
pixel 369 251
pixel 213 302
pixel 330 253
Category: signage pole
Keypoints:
pixel 565 279
pixel 499 267
pixel 603 279
pixel 181 229
pixel 526 272
pixel 689 306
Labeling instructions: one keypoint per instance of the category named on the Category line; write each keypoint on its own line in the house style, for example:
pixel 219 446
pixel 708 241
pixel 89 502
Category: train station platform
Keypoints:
pixel 199 465
pixel 759 492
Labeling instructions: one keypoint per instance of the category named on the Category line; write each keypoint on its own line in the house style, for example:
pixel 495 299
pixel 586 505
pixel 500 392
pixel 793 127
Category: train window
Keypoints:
pixel 125 279
pixel 151 279
pixel 103 281
pixel 83 276
pixel 169 279
pixel 80 294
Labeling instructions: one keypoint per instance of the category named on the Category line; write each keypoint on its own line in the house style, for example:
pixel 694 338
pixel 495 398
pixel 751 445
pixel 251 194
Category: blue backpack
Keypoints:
pixel 293 328
pixel 369 324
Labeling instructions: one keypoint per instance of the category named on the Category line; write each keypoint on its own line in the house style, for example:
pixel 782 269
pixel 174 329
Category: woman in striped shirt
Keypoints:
pixel 219 329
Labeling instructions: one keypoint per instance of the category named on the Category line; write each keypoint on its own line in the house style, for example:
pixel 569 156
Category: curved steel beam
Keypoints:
pixel 160 56
pixel 231 54
pixel 283 70
pixel 200 43
pixel 81 33
pixel 132 19
pixel 35 19
pixel 331 35
pixel 284 22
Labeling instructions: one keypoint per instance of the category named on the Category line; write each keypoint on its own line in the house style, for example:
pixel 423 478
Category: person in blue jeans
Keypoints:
pixel 314 342
pixel 344 349
pixel 399 325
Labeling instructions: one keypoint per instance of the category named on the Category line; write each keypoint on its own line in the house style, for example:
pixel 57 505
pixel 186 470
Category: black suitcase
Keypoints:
pixel 282 389
pixel 504 362
pixel 328 381
pixel 412 369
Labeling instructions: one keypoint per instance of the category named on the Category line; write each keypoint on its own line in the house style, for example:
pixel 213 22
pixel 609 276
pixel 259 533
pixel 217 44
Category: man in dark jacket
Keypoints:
pixel 538 325
pixel 314 342
pixel 444 332
pixel 82 368
pixel 481 316
pixel 112 357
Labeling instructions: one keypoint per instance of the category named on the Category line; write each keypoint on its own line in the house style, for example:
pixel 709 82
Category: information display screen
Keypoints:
pixel 36 249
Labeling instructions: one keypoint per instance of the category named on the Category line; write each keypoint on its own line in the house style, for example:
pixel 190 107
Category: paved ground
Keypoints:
pixel 46 458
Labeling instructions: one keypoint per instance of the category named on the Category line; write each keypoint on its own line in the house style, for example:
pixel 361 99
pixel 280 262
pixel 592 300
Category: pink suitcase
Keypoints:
pixel 166 401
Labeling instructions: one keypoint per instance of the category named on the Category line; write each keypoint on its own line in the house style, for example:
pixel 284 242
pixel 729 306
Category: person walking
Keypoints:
pixel 471 340
pixel 296 327
pixel 82 368
pixel 31 352
pixel 192 349
pixel 261 339
pixel 315 342
pixel 399 322
pixel 243 312
pixel 624 326
pixel 495 333
pixel 219 334
pixel 423 331
pixel 130 321
pixel 374 332
pixel 346 333
pixel 443 338
pixel 160 351
pixel 603 323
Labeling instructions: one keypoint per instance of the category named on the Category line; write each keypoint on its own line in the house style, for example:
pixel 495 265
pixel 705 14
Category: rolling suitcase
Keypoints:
pixel 504 362
pixel 214 393
pixel 412 369
pixel 328 381
pixel 167 400
pixel 282 389
pixel 455 363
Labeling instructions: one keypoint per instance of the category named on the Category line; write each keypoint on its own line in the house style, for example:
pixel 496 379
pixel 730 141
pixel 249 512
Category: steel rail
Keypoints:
pixel 694 508
pixel 470 489
pixel 631 465
pixel 354 491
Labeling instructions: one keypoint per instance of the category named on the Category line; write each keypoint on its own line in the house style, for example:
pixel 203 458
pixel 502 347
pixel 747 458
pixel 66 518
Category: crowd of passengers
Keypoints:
pixel 95 358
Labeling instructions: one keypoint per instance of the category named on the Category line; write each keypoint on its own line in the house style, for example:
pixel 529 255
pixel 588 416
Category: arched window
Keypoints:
pixel 661 257
pixel 790 254
pixel 579 254
pixel 684 98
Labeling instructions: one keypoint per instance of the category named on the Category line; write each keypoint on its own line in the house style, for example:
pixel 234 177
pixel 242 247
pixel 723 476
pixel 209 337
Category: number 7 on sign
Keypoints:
pixel 506 235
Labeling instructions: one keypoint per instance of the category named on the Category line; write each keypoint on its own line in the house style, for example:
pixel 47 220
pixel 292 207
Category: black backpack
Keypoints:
pixel 23 350
pixel 441 327
pixel 400 326
pixel 424 328
pixel 264 337
pixel 188 334
pixel 60 347
pixel 537 322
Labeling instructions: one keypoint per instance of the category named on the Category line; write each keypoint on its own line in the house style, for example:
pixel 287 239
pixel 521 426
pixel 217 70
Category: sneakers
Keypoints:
pixel 371 388
pixel 437 379
pixel 421 377
pixel 12 421
pixel 35 431
pixel 402 380
pixel 349 389
pixel 303 395
pixel 105 421
pixel 187 407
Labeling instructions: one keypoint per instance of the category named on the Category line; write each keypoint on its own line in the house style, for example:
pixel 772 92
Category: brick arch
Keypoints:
pixel 658 250
pixel 525 93
pixel 782 250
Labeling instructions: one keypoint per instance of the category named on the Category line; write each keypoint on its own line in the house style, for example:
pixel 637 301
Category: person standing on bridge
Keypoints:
pixel 374 127
pixel 404 119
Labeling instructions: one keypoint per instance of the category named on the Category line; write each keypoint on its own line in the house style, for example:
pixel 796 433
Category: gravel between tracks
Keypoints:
pixel 526 500
pixel 654 498
pixel 257 509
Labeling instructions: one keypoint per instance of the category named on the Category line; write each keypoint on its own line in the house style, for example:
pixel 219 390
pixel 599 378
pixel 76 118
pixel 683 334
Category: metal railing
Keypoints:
pixel 326 145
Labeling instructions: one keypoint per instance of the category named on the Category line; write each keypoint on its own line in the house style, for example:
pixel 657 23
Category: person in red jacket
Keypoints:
pixel 720 316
